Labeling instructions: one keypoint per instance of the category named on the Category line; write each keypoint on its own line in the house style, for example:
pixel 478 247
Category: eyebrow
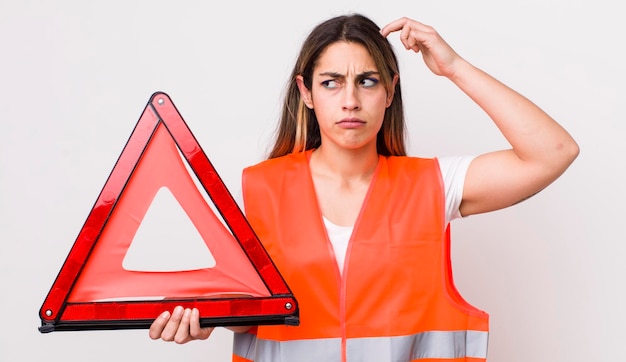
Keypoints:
pixel 359 76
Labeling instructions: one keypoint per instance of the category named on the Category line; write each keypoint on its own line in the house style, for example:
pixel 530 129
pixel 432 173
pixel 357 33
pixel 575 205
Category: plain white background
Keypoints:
pixel 75 76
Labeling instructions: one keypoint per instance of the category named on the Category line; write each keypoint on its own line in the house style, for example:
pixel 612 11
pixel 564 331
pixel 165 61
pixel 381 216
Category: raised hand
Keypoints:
pixel 440 58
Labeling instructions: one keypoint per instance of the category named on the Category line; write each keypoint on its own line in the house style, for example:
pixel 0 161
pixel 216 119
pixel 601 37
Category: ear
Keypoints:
pixel 305 93
pixel 393 89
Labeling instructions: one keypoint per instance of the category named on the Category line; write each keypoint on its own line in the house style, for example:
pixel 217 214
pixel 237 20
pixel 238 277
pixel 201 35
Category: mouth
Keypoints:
pixel 351 123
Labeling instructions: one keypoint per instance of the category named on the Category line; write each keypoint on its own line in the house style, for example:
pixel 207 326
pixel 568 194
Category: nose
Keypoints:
pixel 351 100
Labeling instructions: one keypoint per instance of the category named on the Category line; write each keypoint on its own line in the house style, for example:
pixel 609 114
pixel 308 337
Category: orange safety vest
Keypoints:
pixel 396 299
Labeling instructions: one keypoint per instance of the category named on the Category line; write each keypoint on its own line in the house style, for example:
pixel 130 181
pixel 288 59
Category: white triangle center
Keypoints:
pixel 167 240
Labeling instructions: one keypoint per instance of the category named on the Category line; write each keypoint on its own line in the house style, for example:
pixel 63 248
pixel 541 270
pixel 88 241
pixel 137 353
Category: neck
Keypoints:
pixel 345 164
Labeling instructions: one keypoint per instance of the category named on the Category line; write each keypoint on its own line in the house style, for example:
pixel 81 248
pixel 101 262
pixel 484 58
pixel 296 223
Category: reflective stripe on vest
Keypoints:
pixel 434 344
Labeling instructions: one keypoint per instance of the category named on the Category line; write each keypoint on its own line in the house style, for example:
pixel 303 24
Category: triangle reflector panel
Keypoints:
pixel 126 265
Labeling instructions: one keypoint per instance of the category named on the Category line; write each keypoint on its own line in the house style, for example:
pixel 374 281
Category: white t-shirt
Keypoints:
pixel 453 171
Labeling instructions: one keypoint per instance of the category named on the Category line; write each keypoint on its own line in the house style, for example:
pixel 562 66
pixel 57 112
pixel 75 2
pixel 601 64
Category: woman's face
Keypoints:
pixel 347 96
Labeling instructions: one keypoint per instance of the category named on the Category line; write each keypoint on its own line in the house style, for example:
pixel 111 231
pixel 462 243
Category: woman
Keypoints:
pixel 359 230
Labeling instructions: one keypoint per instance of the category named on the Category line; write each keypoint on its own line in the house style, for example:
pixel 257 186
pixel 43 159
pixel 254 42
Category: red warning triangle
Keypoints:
pixel 232 281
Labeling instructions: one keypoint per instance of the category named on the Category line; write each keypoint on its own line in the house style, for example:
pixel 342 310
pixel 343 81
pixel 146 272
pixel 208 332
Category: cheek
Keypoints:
pixel 379 105
pixel 323 106
pixel 324 98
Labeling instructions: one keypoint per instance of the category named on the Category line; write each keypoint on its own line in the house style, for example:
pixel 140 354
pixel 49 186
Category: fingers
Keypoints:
pixel 393 26
pixel 182 326
pixel 194 328
pixel 156 328
pixel 167 326
pixel 170 328
pixel 413 34
pixel 404 25
pixel 437 54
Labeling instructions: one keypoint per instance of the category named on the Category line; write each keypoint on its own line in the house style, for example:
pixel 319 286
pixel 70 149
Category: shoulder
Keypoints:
pixel 451 169
pixel 409 160
pixel 411 170
pixel 411 164
pixel 452 166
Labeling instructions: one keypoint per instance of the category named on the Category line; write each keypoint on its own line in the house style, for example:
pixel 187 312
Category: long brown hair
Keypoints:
pixel 298 129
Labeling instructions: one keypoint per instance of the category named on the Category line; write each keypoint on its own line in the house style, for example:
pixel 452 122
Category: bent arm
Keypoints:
pixel 541 149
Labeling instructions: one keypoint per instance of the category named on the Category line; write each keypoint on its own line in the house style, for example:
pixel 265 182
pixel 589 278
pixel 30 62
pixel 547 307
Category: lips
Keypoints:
pixel 351 123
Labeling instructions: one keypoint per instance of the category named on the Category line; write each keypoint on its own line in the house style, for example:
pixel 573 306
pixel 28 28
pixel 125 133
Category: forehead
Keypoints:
pixel 345 57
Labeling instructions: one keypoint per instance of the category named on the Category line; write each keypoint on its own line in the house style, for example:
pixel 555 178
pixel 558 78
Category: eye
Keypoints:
pixel 368 82
pixel 330 84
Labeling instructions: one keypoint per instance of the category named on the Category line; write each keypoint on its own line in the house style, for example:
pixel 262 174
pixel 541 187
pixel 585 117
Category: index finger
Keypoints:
pixel 393 26
pixel 156 328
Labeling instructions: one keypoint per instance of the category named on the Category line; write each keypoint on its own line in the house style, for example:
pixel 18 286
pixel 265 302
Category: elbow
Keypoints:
pixel 569 151
pixel 573 150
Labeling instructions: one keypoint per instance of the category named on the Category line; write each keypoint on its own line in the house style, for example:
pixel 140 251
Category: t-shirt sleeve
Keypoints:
pixel 453 171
